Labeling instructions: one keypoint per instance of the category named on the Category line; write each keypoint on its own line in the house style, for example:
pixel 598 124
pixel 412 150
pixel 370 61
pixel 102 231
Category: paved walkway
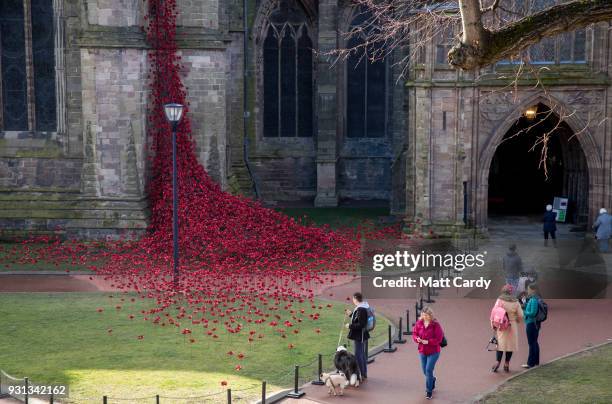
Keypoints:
pixel 463 370
pixel 52 282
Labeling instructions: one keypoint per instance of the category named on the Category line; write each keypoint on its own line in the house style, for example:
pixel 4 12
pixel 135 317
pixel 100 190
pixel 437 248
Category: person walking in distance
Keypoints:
pixel 358 332
pixel 428 334
pixel 505 316
pixel 603 230
pixel 550 226
pixel 513 266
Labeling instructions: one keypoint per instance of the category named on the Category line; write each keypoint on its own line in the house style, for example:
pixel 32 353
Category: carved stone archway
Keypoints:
pixel 581 132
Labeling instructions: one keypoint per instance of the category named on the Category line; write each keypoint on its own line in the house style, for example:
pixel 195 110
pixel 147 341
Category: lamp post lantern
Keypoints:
pixel 174 112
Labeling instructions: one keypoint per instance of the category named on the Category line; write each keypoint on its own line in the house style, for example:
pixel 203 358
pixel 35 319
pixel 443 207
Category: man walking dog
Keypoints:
pixel 358 331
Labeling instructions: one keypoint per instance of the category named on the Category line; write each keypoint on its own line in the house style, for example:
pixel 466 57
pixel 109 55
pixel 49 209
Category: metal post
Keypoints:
pixel 51 398
pixel 26 390
pixel 417 312
pixel 390 347
pixel 408 329
pixel 465 203
pixel 296 393
pixel 157 399
pixel 399 339
pixel 229 396
pixel 263 392
pixel 429 299
pixel 104 400
pixel 175 206
pixel 319 382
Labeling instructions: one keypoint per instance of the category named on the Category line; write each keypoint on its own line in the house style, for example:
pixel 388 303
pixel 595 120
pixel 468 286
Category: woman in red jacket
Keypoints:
pixel 428 334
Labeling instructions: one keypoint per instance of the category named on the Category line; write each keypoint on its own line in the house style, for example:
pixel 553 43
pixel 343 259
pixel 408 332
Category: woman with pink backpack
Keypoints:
pixel 505 316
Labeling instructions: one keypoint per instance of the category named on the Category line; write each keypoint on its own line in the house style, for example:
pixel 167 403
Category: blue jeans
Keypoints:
pixel 428 363
pixel 533 330
pixel 360 355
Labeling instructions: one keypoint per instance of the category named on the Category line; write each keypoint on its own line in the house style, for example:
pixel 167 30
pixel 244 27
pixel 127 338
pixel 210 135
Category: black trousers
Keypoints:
pixel 552 234
pixel 499 355
pixel 533 331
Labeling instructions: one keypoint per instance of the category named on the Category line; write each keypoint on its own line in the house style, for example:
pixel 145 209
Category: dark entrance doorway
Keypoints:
pixel 518 181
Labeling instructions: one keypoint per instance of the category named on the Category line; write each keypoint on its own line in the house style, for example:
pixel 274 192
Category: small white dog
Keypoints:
pixel 335 382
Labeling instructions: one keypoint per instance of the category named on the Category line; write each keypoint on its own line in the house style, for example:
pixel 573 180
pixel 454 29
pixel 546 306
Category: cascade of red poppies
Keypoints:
pixel 218 231
pixel 226 242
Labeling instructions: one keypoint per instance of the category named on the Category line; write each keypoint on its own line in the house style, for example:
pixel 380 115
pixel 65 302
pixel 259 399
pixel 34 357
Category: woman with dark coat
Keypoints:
pixel 358 332
pixel 550 225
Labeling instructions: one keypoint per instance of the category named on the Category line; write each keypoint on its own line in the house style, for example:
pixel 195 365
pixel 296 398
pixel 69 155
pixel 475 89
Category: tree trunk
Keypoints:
pixel 480 47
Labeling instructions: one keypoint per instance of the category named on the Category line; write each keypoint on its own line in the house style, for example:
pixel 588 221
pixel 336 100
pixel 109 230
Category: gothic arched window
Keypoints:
pixel 366 81
pixel 27 66
pixel 287 74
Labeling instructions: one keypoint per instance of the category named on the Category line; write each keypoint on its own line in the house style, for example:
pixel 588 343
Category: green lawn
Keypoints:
pixel 336 217
pixel 61 338
pixel 583 378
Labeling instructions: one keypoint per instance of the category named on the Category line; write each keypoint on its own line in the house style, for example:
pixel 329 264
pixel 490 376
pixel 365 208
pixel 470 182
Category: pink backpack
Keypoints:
pixel 499 317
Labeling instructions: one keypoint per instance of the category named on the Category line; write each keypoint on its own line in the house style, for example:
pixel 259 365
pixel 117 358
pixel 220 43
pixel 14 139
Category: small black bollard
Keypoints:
pixel 390 347
pixel 229 396
pixel 263 392
pixel 429 299
pixel 26 390
pixel 421 303
pixel 157 399
pixel 318 381
pixel 51 398
pixel 399 339
pixel 104 400
pixel 408 329
pixel 296 393
pixel 417 312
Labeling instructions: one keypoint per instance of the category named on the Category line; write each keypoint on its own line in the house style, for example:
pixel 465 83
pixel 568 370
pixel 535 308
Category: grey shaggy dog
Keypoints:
pixel 346 363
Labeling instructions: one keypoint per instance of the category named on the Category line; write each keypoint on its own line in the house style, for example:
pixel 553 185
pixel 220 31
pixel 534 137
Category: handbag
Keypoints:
pixel 492 344
pixel 444 342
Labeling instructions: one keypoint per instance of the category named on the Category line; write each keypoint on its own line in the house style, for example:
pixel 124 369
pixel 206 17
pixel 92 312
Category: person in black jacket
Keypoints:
pixel 550 225
pixel 358 331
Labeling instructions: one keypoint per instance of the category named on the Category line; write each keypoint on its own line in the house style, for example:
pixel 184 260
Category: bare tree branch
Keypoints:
pixel 481 47
pixel 492 7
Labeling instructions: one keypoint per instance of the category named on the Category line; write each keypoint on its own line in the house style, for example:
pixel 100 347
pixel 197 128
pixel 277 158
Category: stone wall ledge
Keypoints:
pixel 99 36
pixel 550 80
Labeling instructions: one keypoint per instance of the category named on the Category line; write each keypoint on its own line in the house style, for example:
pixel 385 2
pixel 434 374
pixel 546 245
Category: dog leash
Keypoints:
pixel 330 382
pixel 341 330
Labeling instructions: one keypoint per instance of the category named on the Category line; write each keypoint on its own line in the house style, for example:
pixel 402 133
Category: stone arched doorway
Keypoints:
pixel 512 180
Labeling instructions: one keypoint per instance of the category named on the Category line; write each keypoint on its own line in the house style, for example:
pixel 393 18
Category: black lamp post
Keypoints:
pixel 174 112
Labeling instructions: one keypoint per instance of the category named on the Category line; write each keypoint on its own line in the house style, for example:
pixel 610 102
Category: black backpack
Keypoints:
pixel 542 313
